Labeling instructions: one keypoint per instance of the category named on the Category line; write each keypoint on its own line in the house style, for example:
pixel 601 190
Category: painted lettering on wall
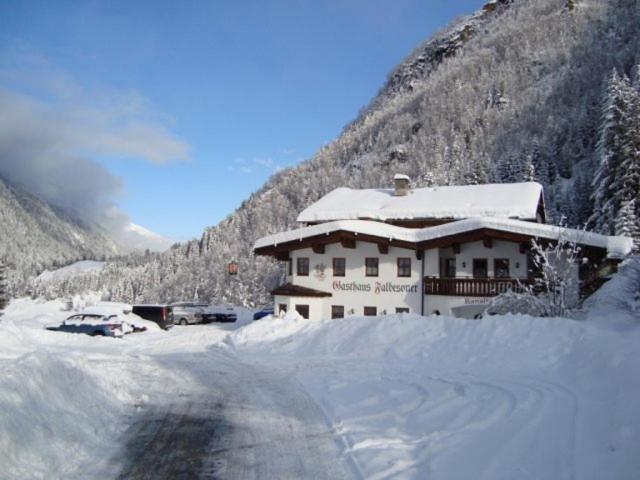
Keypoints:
pixel 351 286
pixel 394 287
pixel 476 301
pixel 377 287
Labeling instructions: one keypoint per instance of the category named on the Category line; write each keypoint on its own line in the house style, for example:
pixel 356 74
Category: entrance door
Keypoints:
pixel 480 268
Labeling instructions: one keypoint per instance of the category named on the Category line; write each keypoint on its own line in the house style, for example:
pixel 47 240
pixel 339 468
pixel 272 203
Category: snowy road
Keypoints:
pixel 244 422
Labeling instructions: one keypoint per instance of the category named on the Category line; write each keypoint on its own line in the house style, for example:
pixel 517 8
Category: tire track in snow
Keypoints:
pixel 437 424
pixel 244 422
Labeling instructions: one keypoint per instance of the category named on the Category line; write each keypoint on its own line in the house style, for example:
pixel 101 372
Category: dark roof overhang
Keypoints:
pixel 291 290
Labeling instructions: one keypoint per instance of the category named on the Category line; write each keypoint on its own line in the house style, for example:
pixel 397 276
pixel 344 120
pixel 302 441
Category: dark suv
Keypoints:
pixel 161 314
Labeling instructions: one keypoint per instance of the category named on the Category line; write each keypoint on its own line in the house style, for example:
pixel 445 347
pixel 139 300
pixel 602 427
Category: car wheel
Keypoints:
pixel 183 321
pixel 97 333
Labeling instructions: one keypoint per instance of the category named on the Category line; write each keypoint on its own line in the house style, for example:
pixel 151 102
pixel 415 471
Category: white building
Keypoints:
pixel 440 250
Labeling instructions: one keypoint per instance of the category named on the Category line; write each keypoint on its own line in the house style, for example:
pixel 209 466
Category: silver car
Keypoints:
pixel 188 313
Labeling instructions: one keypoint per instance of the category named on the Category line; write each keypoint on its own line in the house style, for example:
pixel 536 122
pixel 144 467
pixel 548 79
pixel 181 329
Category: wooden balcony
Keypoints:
pixel 472 287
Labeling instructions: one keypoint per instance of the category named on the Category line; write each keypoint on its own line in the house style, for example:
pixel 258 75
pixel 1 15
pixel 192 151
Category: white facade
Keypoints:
pixel 386 292
pixel 389 293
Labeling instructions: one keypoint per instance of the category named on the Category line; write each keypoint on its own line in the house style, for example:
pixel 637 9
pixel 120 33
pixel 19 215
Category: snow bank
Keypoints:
pixel 49 405
pixel 621 295
pixel 448 341
pixel 65 398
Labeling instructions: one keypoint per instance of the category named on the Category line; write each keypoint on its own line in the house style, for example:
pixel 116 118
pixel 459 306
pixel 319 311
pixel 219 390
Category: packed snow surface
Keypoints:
pixel 617 247
pixel 401 396
pixel 504 200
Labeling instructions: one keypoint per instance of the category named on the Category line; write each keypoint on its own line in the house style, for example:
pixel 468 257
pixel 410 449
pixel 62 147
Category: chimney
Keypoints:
pixel 402 185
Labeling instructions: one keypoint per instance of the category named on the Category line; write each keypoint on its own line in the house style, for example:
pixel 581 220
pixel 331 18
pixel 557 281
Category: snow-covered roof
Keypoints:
pixel 504 200
pixel 616 247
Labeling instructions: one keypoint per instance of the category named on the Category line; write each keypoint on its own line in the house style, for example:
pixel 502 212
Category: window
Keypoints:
pixel 302 267
pixel 404 267
pixel 480 268
pixel 303 310
pixel 370 311
pixel 501 268
pixel 371 267
pixel 402 310
pixel 449 268
pixel 337 311
pixel 339 267
pixel 290 267
pixel 282 309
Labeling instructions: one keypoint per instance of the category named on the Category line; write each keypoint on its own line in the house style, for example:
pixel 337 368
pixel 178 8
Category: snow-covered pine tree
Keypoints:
pixel 476 175
pixel 503 172
pixel 528 172
pixel 4 294
pixel 627 223
pixel 627 185
pixel 635 77
pixel 427 179
pixel 516 168
pixel 616 106
pixel 582 206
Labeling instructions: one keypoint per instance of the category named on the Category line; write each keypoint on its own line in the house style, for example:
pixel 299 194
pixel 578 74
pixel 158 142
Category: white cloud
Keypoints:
pixel 52 129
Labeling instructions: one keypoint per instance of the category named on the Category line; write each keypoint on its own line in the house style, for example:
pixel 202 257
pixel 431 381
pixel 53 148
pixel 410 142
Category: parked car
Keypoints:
pixel 186 313
pixel 160 314
pixel 95 325
pixel 218 314
pixel 263 313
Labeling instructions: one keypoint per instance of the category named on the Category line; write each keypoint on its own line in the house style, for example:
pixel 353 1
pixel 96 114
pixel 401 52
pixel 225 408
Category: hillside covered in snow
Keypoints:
pixel 38 236
pixel 516 91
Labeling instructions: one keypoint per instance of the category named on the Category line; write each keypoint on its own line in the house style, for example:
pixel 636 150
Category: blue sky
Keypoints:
pixel 220 94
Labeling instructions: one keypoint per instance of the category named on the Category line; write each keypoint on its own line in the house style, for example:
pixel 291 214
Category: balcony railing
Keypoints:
pixel 472 287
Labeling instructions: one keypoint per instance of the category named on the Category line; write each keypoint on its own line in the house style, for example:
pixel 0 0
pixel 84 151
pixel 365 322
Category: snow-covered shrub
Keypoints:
pixel 555 289
pixel 513 302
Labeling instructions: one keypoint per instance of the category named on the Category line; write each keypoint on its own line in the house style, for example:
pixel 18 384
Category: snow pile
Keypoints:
pixel 63 397
pixel 270 329
pixel 77 268
pixel 49 404
pixel 446 341
pixel 621 294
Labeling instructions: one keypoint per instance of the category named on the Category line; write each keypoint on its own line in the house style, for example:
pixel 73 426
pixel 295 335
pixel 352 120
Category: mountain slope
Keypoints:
pixel 36 236
pixel 513 88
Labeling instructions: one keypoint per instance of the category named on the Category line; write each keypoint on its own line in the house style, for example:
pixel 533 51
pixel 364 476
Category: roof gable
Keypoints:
pixel 505 200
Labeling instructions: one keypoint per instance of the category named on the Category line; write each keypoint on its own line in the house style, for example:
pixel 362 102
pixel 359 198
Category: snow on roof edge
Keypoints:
pixel 617 247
